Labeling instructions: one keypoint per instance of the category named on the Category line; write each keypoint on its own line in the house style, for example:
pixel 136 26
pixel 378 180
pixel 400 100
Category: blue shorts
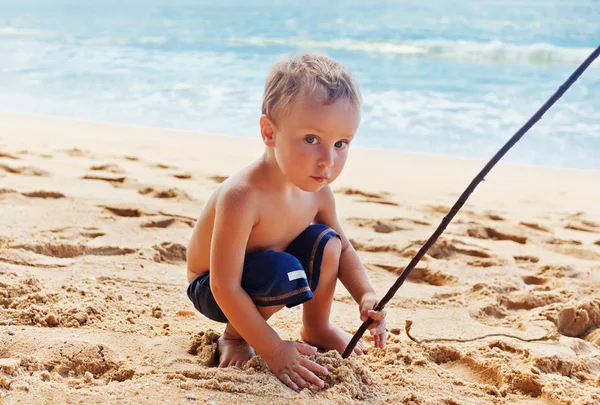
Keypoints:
pixel 272 278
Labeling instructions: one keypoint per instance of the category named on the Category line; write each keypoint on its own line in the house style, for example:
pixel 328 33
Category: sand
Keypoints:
pixel 94 224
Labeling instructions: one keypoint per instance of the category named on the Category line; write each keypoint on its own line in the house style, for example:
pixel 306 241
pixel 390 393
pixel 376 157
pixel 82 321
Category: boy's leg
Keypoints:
pixel 272 279
pixel 316 328
pixel 234 351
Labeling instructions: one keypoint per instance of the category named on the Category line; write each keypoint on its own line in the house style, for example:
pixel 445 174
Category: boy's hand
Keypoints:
pixel 291 368
pixel 377 328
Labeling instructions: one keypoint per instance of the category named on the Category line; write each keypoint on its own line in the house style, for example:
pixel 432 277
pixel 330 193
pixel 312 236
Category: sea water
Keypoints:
pixel 454 78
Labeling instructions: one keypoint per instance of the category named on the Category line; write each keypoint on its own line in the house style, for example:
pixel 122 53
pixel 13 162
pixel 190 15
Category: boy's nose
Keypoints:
pixel 326 159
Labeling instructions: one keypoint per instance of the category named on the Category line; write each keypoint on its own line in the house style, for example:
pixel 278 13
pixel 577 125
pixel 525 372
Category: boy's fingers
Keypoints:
pixel 288 381
pixel 376 340
pixel 296 378
pixel 377 329
pixel 308 376
pixel 377 315
pixel 314 367
pixel 379 338
pixel 305 349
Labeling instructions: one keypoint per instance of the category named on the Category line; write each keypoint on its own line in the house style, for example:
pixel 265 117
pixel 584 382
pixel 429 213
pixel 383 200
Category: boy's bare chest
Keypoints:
pixel 280 222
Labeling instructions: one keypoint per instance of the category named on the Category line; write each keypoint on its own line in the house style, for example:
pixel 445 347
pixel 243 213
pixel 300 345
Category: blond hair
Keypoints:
pixel 308 74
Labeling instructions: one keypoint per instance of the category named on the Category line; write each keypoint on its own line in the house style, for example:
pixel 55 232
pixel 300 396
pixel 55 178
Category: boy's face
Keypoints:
pixel 311 141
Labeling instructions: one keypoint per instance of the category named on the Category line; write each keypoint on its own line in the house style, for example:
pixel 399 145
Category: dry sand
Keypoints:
pixel 94 223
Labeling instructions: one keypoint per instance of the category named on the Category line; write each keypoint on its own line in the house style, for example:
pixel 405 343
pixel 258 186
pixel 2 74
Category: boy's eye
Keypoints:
pixel 310 139
pixel 341 144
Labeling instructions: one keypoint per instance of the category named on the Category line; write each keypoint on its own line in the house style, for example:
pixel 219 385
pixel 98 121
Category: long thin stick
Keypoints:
pixel 463 198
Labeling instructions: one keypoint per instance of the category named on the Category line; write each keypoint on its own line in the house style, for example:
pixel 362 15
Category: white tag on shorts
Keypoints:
pixel 296 274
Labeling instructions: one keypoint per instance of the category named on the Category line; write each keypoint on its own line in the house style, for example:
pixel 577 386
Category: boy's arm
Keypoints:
pixel 351 272
pixel 235 217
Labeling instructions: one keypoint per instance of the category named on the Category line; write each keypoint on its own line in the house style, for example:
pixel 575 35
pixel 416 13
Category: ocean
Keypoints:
pixel 436 78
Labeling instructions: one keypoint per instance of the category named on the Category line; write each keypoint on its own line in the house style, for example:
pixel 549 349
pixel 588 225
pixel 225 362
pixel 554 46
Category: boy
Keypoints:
pixel 254 250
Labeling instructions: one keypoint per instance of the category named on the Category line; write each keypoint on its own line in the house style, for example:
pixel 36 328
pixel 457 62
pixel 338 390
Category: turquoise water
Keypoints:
pixel 455 80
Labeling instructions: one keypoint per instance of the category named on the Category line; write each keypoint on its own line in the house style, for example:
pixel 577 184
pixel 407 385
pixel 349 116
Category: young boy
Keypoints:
pixel 269 236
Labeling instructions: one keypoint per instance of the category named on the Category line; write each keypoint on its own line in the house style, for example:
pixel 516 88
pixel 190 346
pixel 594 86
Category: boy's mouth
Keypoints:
pixel 319 179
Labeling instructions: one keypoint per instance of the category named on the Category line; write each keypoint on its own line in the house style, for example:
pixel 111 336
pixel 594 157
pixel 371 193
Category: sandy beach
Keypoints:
pixel 94 224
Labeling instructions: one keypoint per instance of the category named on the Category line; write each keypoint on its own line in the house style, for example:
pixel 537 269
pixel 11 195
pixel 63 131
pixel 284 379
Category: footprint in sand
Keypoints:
pixel 24 170
pixel 535 226
pixel 6 191
pixel 444 249
pixel 535 280
pixel 421 275
pixel 529 299
pixel 33 194
pixel 8 156
pixel 557 241
pixel 573 248
pixel 484 232
pixel 494 217
pixel 162 166
pixel 67 250
pixel 168 222
pixel 483 263
pixel 386 225
pixel 379 248
pixel 22 257
pixel 584 226
pixel 173 193
pixel 182 176
pixel 125 211
pixel 71 233
pixel 375 198
pixel 484 313
pixel 218 179
pixel 378 225
pixel 526 259
pixel 76 152
pixel 108 167
pixel 44 194
pixel 107 178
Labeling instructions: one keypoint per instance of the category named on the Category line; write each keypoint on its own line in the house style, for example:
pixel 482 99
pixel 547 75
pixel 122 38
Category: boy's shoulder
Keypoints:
pixel 235 189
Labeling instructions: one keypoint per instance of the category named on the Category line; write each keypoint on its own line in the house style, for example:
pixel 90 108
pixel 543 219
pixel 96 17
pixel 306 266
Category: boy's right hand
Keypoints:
pixel 294 370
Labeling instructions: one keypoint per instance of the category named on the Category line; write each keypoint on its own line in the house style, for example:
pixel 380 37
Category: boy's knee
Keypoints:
pixel 332 250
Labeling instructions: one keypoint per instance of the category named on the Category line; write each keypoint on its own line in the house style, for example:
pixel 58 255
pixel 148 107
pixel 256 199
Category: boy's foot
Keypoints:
pixel 329 338
pixel 233 352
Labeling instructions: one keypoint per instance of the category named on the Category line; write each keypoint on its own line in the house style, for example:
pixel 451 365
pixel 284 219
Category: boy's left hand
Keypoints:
pixel 377 327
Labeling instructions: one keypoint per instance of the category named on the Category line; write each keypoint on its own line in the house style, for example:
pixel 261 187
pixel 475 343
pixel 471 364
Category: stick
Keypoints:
pixel 463 198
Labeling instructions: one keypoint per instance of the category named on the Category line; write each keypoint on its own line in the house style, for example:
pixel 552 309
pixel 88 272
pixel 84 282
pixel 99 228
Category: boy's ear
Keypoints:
pixel 267 130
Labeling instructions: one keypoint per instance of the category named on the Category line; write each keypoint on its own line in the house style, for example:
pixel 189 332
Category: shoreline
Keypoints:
pixel 225 135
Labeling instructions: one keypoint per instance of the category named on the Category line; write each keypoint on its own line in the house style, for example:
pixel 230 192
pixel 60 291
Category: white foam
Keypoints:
pixel 12 32
pixel 494 51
